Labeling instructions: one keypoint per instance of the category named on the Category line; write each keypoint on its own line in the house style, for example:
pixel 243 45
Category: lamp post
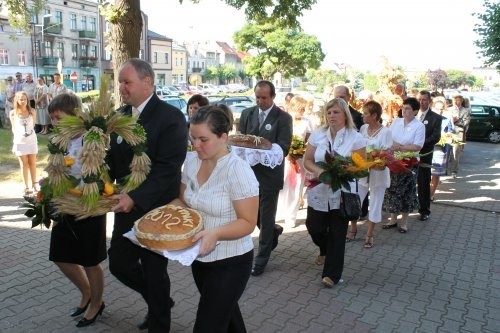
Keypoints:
pixel 42 47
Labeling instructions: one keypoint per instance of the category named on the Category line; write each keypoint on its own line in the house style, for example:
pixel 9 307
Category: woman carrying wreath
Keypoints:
pixel 324 222
pixel 78 247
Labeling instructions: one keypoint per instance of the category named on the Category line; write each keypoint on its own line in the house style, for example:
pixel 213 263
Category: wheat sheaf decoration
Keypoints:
pixel 90 195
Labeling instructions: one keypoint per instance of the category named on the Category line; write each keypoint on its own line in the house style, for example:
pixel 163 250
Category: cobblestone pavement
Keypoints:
pixel 442 276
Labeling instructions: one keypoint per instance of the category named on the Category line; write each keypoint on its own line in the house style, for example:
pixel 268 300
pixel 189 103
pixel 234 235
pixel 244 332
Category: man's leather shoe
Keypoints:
pixel 424 217
pixel 278 230
pixel 256 271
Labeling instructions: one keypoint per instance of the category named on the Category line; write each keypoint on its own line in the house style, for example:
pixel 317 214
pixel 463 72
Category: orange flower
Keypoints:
pixel 69 161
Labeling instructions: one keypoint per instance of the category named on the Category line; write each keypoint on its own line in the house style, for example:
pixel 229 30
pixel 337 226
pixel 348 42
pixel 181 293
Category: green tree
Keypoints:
pixel 456 78
pixel 370 82
pixel 125 19
pixel 489 32
pixel 278 49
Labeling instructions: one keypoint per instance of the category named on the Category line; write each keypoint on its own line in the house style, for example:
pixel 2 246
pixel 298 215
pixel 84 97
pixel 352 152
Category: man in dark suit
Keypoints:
pixel 268 121
pixel 166 131
pixel 343 92
pixel 432 122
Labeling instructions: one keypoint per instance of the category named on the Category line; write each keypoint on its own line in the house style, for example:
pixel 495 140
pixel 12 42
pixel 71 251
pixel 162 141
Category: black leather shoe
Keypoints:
pixel 86 322
pixel 278 230
pixel 424 217
pixel 144 325
pixel 256 271
pixel 78 311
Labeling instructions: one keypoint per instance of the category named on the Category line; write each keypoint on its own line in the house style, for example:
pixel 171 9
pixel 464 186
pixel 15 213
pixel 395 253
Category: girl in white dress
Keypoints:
pixel 25 143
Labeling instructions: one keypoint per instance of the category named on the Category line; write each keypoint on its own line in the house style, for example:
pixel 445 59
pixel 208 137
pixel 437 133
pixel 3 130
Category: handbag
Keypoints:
pixel 350 204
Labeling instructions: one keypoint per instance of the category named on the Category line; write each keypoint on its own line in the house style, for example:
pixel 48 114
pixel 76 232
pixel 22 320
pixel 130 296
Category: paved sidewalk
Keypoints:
pixel 442 276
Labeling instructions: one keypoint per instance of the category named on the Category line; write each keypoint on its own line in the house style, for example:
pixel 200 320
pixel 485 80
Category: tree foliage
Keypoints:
pixel 323 77
pixel 370 82
pixel 278 49
pixel 458 78
pixel 489 32
pixel 438 79
pixel 390 75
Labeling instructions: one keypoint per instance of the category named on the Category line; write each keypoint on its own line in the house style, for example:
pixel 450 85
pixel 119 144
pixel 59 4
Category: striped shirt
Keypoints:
pixel 232 179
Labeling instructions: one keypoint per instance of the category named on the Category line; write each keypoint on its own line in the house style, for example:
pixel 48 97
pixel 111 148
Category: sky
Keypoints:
pixel 417 35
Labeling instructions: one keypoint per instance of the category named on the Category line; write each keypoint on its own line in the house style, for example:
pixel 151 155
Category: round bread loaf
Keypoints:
pixel 249 141
pixel 168 228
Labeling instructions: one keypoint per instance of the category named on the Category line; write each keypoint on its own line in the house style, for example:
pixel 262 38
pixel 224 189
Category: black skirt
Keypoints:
pixel 80 242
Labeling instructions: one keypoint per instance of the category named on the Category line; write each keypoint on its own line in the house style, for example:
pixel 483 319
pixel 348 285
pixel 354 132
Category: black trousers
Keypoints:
pixel 328 231
pixel 221 284
pixel 268 203
pixel 145 272
pixel 424 188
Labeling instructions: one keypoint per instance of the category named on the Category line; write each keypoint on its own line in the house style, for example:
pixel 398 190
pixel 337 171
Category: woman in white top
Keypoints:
pixel 41 105
pixel 408 135
pixel 379 138
pixel 325 224
pixel 291 195
pixel 25 146
pixel 223 189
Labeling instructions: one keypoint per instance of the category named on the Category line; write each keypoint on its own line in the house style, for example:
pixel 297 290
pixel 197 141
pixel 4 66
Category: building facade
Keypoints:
pixel 179 64
pixel 160 51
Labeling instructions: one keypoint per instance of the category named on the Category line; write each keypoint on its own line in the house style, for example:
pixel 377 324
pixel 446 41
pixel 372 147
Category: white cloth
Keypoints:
pixel 25 141
pixel 267 157
pixel 74 150
pixel 412 133
pixel 321 197
pixel 232 179
pixel 56 89
pixel 381 141
pixel 29 89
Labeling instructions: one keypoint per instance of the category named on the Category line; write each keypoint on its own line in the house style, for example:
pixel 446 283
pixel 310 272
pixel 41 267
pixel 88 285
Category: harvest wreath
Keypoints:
pixel 91 197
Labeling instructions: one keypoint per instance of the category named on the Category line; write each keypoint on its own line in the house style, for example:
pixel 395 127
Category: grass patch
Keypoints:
pixel 9 165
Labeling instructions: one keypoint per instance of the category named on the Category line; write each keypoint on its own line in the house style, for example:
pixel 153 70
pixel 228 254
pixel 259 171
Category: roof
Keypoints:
pixel 154 35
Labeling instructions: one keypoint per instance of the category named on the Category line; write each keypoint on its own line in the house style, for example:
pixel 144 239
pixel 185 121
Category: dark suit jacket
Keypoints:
pixel 166 134
pixel 357 118
pixel 280 132
pixel 432 123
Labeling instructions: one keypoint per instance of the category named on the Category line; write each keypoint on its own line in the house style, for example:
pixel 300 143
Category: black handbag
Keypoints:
pixel 350 205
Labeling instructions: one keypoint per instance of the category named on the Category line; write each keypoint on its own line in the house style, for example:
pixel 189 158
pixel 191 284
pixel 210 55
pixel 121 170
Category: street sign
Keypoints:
pixel 73 77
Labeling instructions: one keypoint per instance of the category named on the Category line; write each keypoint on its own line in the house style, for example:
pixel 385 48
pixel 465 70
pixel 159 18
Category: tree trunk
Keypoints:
pixel 125 38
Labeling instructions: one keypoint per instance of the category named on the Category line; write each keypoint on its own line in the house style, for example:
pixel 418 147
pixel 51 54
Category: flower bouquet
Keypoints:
pixel 296 151
pixel 339 171
pixel 39 208
pixel 449 138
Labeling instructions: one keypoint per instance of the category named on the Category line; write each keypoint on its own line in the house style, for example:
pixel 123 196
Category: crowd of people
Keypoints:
pixel 247 196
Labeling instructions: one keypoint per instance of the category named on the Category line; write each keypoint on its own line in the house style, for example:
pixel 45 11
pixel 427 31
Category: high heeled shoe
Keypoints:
pixel 351 236
pixel 78 310
pixel 86 322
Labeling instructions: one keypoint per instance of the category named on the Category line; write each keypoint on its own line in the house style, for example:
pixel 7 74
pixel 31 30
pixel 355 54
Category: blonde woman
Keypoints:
pixel 25 143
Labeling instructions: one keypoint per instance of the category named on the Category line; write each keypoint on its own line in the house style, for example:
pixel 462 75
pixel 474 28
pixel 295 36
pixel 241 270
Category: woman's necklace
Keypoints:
pixel 340 141
pixel 373 132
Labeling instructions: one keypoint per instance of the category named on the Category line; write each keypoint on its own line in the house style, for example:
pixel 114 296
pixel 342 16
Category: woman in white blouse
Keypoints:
pixel 408 135
pixel 379 138
pixel 325 224
pixel 223 189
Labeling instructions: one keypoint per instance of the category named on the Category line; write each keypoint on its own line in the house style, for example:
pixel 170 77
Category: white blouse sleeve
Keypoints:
pixel 242 181
pixel 315 137
pixel 360 142
pixel 386 138
pixel 419 138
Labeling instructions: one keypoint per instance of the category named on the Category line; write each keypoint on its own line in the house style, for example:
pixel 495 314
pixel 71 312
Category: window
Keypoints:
pixel 181 60
pixel 59 17
pixel 74 51
pixel 155 57
pixel 83 51
pixel 34 17
pixel 21 58
pixel 4 57
pixel 202 64
pixel 60 50
pixel 83 23
pixel 37 48
pixel 166 58
pixel 176 63
pixel 93 24
pixel 72 21
pixel 107 54
pixel 46 12
pixel 47 48
pixel 107 26
pixel 93 51
pixel 141 54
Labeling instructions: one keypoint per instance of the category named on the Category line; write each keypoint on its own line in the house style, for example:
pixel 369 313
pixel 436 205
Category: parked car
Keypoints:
pixel 176 101
pixel 174 89
pixel 237 99
pixel 484 123
pixel 164 90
